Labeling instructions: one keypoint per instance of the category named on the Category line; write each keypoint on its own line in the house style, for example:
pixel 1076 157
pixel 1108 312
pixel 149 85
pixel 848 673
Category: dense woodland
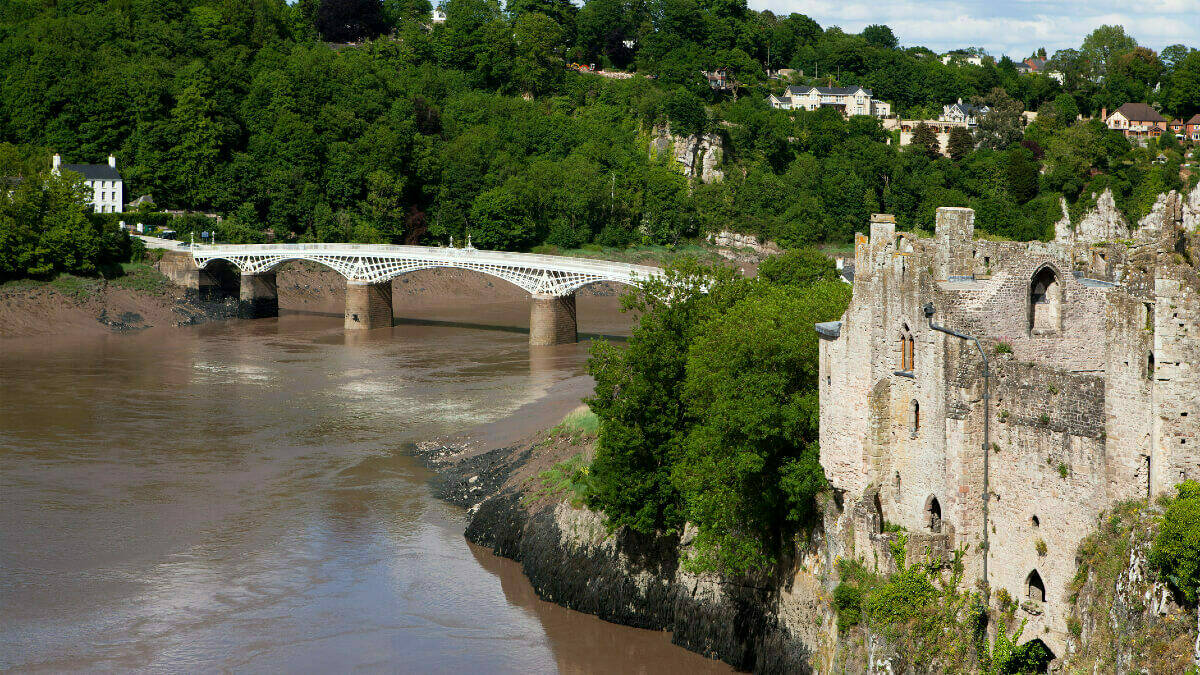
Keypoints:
pixel 260 111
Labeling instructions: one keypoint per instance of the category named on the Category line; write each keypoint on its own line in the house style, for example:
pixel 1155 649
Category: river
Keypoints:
pixel 237 496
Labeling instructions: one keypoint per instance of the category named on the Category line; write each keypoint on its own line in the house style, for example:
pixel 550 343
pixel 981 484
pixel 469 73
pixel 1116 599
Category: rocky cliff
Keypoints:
pixel 699 156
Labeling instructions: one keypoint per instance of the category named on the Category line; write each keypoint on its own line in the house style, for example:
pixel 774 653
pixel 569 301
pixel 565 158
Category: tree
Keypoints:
pixel 925 139
pixel 538 62
pixel 1022 175
pixel 797 267
pixel 960 144
pixel 685 111
pixel 639 398
pixel 1183 98
pixel 881 36
pixel 500 221
pixel 750 467
pixel 1001 126
pixel 349 20
pixel 1102 45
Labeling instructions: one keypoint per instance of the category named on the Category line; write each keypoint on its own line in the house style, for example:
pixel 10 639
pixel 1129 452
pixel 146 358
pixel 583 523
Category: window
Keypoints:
pixel 1045 302
pixel 915 417
pixel 1033 520
pixel 1149 316
pixel 933 514
pixel 1035 590
pixel 1150 366
pixel 907 345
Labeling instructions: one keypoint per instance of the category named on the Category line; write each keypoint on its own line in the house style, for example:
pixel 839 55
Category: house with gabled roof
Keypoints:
pixel 963 112
pixel 102 180
pixel 1191 128
pixel 849 101
pixel 1137 121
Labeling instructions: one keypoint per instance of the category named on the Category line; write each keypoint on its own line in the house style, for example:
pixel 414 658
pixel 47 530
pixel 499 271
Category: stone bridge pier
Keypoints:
pixel 552 320
pixel 368 305
pixel 258 296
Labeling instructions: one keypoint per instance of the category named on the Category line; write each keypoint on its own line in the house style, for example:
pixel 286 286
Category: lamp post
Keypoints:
pixel 929 311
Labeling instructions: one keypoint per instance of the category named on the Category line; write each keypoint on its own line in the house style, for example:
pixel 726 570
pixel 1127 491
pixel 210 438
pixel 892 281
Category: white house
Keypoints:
pixel 963 112
pixel 106 184
pixel 439 14
pixel 849 100
pixel 964 58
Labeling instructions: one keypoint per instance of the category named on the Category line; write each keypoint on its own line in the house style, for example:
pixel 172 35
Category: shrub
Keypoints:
pixel 1041 547
pixel 1003 348
pixel 901 598
pixel 847 600
pixel 1176 549
pixel 1063 470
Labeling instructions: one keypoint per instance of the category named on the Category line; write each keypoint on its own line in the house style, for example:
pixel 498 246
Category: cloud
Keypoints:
pixel 1012 27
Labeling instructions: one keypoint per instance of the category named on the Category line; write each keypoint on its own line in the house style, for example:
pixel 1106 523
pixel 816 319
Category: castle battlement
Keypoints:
pixel 1093 396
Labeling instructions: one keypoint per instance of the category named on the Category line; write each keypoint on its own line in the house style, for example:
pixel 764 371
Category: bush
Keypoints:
pixel 901 598
pixel 847 600
pixel 1176 550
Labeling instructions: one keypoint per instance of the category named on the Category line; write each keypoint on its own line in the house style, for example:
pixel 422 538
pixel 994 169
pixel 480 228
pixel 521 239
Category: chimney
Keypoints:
pixel 960 101
pixel 1104 114
pixel 112 161
pixel 56 163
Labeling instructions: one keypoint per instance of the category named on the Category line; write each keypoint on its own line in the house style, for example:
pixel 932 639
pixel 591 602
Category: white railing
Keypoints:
pixel 376 263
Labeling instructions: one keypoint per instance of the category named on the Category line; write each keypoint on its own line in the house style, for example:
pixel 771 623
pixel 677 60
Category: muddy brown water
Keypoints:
pixel 236 497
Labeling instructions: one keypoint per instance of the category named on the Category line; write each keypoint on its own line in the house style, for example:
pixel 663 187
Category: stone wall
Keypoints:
pixel 1080 414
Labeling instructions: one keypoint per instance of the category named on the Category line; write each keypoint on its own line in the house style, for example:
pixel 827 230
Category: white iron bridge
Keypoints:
pixel 545 275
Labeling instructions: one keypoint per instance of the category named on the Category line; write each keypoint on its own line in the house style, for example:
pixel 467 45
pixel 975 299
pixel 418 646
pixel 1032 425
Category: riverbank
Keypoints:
pixel 522 502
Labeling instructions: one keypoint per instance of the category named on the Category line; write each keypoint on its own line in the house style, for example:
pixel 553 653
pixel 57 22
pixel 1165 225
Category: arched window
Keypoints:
pixel 915 417
pixel 933 514
pixel 907 345
pixel 1035 590
pixel 1045 302
pixel 1033 520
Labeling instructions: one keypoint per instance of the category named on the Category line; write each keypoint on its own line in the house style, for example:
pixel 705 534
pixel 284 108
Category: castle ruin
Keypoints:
pixel 1092 395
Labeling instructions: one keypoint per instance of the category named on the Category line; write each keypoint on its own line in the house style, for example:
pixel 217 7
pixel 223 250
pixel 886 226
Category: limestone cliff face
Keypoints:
pixel 1125 618
pixel 1103 222
pixel 698 156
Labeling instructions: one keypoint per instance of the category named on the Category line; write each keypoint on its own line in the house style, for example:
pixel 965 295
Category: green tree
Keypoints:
pixel 538 62
pixel 797 267
pixel 750 468
pixel 499 220
pixel 925 139
pixel 685 111
pixel 1001 126
pixel 960 144
pixel 1022 175
pixel 639 398
pixel 1102 45
pixel 878 35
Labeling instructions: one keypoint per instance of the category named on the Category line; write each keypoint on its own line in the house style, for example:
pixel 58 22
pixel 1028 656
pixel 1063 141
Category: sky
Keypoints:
pixel 1013 27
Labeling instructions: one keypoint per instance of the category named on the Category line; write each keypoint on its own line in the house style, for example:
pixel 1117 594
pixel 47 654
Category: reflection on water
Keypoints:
pixel 235 496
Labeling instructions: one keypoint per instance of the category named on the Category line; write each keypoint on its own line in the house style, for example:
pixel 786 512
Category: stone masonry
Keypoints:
pixel 1094 352
pixel 368 305
pixel 552 320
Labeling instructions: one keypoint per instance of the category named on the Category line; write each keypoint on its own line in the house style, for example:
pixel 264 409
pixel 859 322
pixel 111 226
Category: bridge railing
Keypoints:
pixel 537 260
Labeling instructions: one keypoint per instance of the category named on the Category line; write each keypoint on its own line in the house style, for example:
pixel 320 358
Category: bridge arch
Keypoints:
pixel 551 281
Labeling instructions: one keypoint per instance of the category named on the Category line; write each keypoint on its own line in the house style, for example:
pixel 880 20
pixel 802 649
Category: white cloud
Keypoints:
pixel 1012 27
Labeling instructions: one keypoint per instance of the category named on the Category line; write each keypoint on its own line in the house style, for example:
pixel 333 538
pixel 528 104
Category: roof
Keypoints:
pixel 1195 119
pixel 94 171
pixel 828 91
pixel 968 109
pixel 1139 112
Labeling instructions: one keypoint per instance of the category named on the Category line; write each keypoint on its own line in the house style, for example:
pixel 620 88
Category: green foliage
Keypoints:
pixel 570 478
pixel 901 599
pixel 847 600
pixel 1003 348
pixel 709 414
pixel 1063 469
pixel 1176 550
pixel 1009 657
pixel 797 267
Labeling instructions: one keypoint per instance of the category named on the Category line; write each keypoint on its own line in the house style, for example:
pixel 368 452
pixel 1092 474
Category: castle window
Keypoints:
pixel 897 485
pixel 1045 302
pixel 915 417
pixel 1150 366
pixel 933 515
pixel 907 349
pixel 1034 521
pixel 1149 317
pixel 1035 590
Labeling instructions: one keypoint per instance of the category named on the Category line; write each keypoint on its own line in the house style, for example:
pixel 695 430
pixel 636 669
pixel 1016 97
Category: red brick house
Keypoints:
pixel 1137 120
pixel 1191 128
